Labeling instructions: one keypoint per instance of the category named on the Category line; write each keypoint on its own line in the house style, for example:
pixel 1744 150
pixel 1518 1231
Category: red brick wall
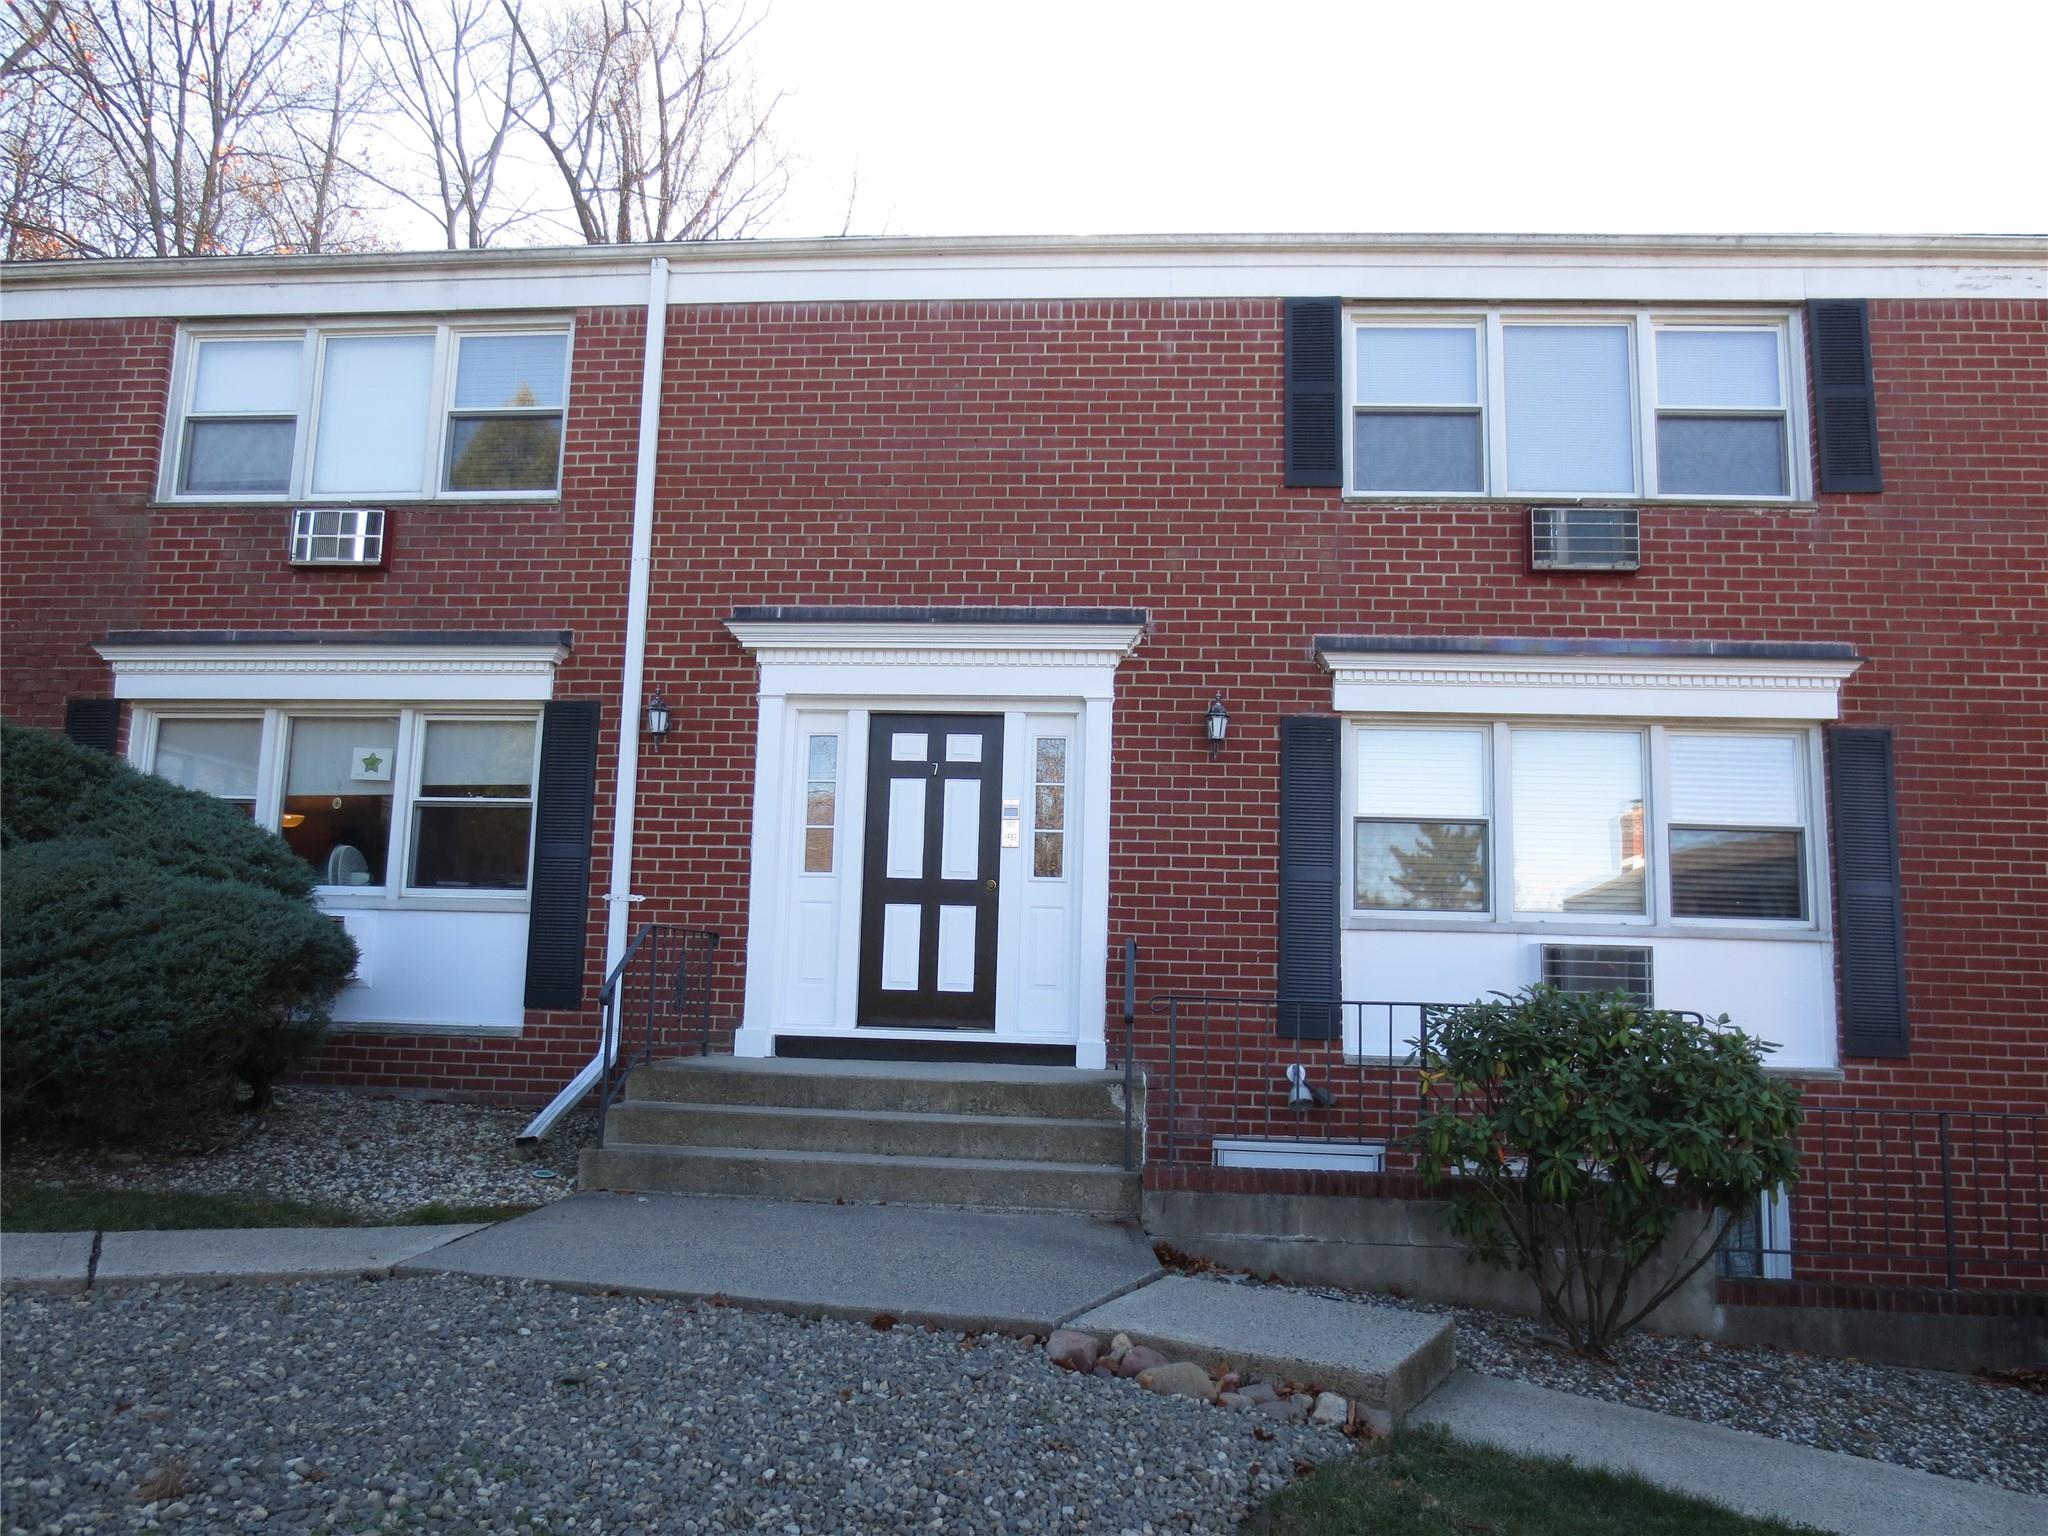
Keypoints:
pixel 1121 453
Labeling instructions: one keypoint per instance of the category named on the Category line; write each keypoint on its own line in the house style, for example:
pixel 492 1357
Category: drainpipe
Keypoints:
pixel 619 899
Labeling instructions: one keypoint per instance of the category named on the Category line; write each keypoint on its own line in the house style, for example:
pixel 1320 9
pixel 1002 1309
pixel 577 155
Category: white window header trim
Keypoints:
pixel 369 674
pixel 1588 687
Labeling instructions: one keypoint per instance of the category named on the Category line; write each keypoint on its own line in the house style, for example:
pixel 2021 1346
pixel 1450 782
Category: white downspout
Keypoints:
pixel 619 899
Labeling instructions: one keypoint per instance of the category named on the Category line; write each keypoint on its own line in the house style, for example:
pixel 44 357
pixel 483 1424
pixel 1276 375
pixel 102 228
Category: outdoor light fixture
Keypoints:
pixel 657 717
pixel 1216 724
pixel 1301 1093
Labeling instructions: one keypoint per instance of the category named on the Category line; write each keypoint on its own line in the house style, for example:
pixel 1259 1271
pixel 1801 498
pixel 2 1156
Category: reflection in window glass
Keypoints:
pixel 1578 827
pixel 337 796
pixel 1420 841
pixel 1737 873
pixel 821 803
pixel 506 430
pixel 1049 808
pixel 216 757
pixel 473 820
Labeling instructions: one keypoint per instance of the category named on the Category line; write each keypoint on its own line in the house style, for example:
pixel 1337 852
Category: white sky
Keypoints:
pixel 1676 116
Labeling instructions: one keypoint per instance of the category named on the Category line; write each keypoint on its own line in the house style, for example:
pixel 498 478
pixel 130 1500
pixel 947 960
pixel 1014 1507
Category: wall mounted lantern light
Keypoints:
pixel 1216 724
pixel 657 718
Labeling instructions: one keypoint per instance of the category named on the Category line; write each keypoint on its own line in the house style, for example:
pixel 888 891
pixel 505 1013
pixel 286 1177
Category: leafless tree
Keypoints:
pixel 176 108
pixel 315 197
pixel 456 83
pixel 648 113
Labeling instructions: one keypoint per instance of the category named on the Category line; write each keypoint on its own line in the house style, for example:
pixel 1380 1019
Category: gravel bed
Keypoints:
pixel 1954 1425
pixel 451 1405
pixel 377 1157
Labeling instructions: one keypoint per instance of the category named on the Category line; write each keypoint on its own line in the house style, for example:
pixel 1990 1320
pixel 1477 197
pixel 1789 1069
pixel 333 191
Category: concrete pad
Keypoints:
pixel 1751 1473
pixel 264 1253
pixel 958 1269
pixel 45 1261
pixel 1386 1358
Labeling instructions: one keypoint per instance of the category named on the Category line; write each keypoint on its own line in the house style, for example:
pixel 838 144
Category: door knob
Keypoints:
pixel 991 885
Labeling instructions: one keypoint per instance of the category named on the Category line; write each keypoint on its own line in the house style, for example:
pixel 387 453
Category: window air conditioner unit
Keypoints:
pixel 338 536
pixel 1585 539
pixel 1621 968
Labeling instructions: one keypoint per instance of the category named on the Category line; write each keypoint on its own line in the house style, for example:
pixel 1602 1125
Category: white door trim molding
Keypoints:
pixel 1044 666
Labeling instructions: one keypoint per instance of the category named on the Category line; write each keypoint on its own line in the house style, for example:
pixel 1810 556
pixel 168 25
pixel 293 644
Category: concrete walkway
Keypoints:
pixel 957 1269
pixel 73 1261
pixel 1752 1473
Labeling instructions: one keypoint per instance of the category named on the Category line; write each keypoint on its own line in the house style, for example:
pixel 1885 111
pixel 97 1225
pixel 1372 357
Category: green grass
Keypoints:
pixel 1423 1483
pixel 81 1208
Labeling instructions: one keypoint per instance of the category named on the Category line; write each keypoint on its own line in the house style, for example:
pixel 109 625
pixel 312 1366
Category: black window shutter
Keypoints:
pixel 558 922
pixel 1844 395
pixel 1315 373
pixel 1309 973
pixel 1869 931
pixel 94 723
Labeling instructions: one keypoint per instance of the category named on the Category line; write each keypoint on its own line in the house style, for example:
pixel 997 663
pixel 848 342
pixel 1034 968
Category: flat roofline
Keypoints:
pixel 970 250
pixel 1510 645
pixel 341 637
pixel 858 614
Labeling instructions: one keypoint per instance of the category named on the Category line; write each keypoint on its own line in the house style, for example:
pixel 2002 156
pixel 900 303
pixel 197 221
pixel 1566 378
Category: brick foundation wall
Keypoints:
pixel 1115 453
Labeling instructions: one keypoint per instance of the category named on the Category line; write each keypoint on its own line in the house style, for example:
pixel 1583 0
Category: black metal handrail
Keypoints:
pixel 1948 1197
pixel 660 992
pixel 1130 1047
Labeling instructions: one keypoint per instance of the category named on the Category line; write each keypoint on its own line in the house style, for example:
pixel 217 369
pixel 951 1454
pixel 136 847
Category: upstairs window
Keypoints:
pixel 1573 405
pixel 371 412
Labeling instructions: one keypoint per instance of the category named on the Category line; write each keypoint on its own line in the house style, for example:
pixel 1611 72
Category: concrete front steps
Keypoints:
pixel 904 1133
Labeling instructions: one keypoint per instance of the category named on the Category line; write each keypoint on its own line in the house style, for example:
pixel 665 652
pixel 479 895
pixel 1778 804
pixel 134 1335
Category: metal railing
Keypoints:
pixel 1909 1197
pixel 1130 1050
pixel 656 1002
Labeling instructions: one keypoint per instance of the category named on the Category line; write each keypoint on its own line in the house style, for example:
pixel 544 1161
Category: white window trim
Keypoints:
pixel 1642 324
pixel 1657 920
pixel 313 339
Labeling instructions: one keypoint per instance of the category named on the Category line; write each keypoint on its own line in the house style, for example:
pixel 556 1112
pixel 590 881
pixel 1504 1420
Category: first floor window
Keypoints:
pixel 1420 837
pixel 1578 805
pixel 821 804
pixel 1049 809
pixel 337 796
pixel 1568 817
pixel 377 802
pixel 473 816
pixel 218 757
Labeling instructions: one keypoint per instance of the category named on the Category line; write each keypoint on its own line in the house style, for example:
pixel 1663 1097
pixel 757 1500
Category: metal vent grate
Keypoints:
pixel 338 536
pixel 1585 539
pixel 1621 968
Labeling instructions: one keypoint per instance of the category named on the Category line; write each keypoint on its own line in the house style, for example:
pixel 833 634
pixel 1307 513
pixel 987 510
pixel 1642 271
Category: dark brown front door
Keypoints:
pixel 928 896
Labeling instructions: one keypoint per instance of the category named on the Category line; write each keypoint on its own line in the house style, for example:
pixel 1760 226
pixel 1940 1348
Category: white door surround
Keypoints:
pixel 824 674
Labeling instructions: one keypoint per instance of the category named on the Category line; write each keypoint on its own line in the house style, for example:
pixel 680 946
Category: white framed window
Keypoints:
pixel 353 411
pixel 1570 405
pixel 387 804
pixel 1419 839
pixel 821 802
pixel 1049 808
pixel 472 804
pixel 1581 824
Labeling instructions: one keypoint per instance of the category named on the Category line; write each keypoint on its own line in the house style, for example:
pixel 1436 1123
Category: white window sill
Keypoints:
pixel 330 900
pixel 422 1027
pixel 413 499
pixel 1584 929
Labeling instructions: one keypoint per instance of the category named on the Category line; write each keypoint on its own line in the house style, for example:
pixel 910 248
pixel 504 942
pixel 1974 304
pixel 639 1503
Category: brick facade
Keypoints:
pixel 1119 453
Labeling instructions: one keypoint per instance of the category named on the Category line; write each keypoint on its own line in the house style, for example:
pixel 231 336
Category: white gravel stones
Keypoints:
pixel 375 1157
pixel 1932 1420
pixel 449 1404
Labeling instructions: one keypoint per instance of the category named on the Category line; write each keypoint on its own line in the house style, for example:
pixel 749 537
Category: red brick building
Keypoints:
pixel 1553 589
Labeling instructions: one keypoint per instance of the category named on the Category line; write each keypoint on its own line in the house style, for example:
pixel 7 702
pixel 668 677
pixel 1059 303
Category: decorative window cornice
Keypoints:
pixel 1634 687
pixel 859 658
pixel 424 673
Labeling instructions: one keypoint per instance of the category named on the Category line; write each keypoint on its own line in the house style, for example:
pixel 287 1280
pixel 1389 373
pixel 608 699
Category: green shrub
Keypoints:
pixel 1578 1132
pixel 158 947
